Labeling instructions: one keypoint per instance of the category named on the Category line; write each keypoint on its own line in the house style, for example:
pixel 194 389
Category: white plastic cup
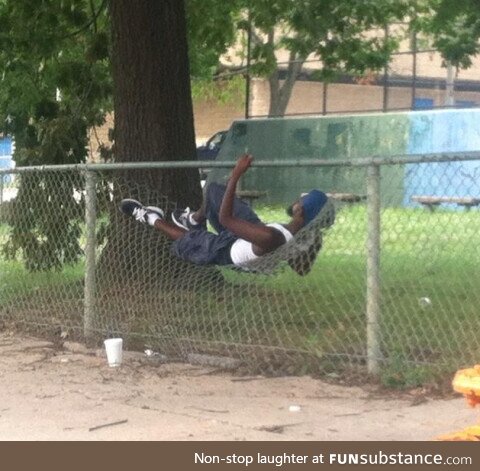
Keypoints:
pixel 113 347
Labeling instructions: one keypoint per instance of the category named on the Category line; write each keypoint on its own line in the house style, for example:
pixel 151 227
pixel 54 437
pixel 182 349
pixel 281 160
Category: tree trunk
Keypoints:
pixel 152 96
pixel 280 94
pixel 153 122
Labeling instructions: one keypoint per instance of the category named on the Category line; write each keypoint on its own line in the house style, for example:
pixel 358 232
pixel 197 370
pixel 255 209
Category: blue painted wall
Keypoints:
pixel 443 131
pixel 6 150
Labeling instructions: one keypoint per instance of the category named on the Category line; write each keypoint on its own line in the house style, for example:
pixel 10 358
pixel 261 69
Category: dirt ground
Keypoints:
pixel 72 394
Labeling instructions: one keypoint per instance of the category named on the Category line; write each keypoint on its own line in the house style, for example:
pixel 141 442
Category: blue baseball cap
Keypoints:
pixel 312 204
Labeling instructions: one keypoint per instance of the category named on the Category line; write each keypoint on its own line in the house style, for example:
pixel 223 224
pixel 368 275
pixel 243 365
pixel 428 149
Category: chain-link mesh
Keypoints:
pixel 269 318
pixel 41 253
pixel 429 272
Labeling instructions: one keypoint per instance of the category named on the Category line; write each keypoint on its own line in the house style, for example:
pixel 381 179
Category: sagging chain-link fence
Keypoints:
pixel 394 290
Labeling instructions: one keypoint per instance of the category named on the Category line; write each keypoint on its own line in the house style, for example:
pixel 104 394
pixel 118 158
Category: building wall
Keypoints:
pixel 307 97
pixel 211 117
pixel 98 136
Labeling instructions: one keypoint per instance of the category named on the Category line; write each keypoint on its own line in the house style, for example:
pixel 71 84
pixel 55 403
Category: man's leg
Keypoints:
pixel 210 208
pixel 200 215
pixel 187 219
pixel 170 230
pixel 204 248
pixel 213 200
pixel 152 216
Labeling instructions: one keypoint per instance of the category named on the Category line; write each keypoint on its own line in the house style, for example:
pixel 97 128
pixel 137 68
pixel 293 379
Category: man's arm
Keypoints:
pixel 263 238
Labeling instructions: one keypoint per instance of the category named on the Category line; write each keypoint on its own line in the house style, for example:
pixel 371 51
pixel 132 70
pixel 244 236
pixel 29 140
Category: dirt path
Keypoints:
pixel 46 394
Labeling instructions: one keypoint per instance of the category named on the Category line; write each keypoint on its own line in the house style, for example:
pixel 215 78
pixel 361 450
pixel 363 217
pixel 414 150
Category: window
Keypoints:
pixel 423 104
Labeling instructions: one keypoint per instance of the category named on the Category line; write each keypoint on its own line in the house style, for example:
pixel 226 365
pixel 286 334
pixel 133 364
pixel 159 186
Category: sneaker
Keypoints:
pixel 154 210
pixel 139 212
pixel 181 217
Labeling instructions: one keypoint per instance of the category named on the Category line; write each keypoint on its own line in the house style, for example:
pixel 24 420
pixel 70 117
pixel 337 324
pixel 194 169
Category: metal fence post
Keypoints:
pixel 90 249
pixel 1 188
pixel 373 269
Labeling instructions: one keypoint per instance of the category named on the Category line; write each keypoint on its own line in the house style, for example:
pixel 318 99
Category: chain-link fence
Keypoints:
pixel 394 290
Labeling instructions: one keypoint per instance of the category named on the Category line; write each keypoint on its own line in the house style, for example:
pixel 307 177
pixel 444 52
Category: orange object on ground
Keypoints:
pixel 467 382
pixel 470 434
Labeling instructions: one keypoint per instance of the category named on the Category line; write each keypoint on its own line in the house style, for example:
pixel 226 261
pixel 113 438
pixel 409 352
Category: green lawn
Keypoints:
pixel 16 282
pixel 424 255
pixel 433 255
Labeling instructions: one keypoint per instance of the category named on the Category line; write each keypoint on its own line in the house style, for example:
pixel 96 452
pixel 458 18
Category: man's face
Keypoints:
pixel 295 209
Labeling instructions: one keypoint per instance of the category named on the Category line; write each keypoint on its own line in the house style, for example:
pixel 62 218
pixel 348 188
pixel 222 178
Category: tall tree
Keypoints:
pixel 152 97
pixel 153 122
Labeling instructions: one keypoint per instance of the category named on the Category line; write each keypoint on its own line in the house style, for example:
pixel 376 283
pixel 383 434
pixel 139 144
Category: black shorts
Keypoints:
pixel 206 248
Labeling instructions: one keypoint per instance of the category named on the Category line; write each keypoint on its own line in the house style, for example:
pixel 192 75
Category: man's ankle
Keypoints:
pixel 192 219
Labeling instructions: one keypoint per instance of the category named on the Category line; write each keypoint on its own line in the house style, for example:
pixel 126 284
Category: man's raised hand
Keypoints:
pixel 243 164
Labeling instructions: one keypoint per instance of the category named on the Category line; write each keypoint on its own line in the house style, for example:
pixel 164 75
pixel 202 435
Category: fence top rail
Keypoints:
pixel 355 162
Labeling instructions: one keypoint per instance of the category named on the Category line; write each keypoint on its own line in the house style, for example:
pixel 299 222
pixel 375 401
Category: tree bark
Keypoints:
pixel 152 96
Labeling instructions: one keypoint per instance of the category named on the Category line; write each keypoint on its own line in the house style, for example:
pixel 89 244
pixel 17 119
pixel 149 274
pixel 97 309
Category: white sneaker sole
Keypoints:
pixel 156 210
pixel 178 223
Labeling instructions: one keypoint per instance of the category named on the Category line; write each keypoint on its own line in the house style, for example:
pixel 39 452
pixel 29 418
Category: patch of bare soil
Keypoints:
pixel 70 393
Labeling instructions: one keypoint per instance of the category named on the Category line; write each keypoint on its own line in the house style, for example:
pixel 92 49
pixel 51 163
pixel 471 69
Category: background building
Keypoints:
pixel 415 79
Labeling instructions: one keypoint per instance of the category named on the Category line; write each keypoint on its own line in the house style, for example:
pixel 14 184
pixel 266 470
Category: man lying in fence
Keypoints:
pixel 241 236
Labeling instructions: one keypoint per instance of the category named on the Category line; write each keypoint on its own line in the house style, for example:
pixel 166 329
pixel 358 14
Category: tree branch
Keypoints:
pixel 295 65
pixel 94 15
pixel 255 37
pixel 89 23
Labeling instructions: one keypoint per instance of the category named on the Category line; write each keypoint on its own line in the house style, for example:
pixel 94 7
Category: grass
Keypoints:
pixel 16 282
pixel 424 255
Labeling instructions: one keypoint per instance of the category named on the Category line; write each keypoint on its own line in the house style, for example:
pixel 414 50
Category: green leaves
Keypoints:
pixel 455 27
pixel 334 30
pixel 47 45
pixel 211 28
pixel 337 32
pixel 45 221
pixel 98 47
